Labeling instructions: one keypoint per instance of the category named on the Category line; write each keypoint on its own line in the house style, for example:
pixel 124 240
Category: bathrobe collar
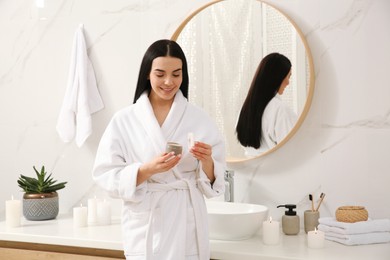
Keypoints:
pixel 160 135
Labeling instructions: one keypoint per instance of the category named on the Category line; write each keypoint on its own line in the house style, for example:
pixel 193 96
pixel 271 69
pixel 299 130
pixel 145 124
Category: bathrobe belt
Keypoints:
pixel 182 184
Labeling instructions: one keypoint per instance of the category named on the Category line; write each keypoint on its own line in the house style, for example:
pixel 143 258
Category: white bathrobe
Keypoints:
pixel 164 217
pixel 277 121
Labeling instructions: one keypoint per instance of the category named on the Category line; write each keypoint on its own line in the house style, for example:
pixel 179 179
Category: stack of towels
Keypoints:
pixel 358 233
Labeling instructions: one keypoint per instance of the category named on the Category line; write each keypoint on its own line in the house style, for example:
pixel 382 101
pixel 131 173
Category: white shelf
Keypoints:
pixel 295 247
pixel 61 232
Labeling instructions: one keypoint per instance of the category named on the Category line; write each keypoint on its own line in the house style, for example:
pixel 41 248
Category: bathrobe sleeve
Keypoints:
pixel 218 187
pixel 285 120
pixel 208 132
pixel 112 169
pixel 278 120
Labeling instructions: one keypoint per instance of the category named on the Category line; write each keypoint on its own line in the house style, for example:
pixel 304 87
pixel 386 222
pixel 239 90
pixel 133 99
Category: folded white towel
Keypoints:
pixel 330 224
pixel 82 97
pixel 359 239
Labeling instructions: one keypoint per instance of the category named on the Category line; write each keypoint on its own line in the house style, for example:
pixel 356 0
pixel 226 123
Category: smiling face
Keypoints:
pixel 165 78
pixel 285 83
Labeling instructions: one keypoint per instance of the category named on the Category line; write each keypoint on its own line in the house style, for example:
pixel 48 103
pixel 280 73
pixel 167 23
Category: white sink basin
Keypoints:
pixel 234 221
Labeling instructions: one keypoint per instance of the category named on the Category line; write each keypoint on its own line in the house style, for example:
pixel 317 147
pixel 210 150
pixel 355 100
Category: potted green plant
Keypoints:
pixel 40 199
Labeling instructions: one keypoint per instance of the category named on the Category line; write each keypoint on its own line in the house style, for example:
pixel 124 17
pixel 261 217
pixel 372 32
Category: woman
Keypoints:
pixel 164 214
pixel 264 119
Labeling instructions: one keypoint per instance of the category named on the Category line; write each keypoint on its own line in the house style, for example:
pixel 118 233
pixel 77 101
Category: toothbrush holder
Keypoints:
pixel 310 219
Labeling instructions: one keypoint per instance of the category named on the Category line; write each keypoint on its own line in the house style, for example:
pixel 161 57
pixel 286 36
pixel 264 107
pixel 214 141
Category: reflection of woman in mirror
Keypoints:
pixel 264 119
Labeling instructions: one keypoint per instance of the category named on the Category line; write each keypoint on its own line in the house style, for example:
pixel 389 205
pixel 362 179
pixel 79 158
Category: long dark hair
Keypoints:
pixel 160 48
pixel 270 74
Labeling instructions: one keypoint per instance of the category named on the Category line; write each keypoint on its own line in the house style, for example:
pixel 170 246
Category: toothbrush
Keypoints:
pixel 312 202
pixel 322 196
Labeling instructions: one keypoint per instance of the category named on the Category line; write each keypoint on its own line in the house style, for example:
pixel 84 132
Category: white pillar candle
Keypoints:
pixel 104 212
pixel 315 239
pixel 80 216
pixel 13 212
pixel 92 211
pixel 271 231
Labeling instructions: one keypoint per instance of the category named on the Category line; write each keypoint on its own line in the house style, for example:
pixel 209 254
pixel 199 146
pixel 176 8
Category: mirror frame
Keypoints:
pixel 311 82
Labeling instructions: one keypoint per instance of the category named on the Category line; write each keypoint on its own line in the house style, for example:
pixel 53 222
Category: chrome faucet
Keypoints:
pixel 229 186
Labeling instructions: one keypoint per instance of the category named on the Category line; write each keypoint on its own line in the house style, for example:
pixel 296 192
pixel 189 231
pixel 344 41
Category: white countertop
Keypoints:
pixel 295 247
pixel 60 231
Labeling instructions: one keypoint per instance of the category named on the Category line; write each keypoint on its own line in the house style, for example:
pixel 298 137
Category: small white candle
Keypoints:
pixel 271 231
pixel 80 216
pixel 92 211
pixel 13 212
pixel 315 239
pixel 104 212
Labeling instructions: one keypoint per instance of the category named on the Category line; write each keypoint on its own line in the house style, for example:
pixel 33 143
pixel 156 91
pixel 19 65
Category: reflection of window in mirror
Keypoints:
pixel 224 43
pixel 282 37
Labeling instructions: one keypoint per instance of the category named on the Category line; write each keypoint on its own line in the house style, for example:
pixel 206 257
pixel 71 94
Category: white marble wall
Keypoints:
pixel 342 149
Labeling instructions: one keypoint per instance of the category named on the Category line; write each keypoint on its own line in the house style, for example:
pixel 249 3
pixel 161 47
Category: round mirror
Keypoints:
pixel 224 42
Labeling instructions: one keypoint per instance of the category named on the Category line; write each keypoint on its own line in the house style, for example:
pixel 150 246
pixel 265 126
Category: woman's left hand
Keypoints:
pixel 203 152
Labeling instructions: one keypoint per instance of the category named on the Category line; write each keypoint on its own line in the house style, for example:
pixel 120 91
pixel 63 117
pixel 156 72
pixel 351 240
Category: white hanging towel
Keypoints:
pixel 82 97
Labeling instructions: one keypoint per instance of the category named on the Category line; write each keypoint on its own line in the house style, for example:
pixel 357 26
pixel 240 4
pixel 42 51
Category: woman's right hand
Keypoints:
pixel 162 163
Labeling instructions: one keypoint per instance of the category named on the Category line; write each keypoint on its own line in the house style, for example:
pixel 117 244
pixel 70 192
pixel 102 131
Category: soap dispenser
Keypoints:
pixel 290 221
